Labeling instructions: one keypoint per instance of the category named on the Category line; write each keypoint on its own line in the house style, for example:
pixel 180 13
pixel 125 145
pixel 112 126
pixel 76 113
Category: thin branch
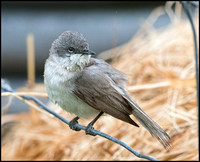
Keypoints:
pixel 43 106
pixel 36 94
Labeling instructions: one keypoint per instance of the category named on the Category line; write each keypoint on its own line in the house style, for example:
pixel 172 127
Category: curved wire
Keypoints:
pixel 185 7
pixel 43 106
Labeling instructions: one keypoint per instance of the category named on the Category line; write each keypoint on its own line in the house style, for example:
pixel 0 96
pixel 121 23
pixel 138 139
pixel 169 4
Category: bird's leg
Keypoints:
pixel 72 124
pixel 89 127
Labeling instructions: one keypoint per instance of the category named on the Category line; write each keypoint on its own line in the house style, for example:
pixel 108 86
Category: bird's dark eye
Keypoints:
pixel 71 50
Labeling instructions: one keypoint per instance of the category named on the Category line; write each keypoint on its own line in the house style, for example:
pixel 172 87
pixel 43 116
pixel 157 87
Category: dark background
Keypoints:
pixel 104 24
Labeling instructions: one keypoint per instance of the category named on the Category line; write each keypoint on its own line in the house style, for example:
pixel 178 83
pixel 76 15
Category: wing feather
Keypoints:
pixel 98 90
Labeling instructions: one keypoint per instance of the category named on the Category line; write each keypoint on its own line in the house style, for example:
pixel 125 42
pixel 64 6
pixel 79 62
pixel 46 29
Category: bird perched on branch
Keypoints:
pixel 89 87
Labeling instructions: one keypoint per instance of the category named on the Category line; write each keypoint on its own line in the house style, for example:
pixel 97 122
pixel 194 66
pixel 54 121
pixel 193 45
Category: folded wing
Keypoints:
pixel 102 87
pixel 96 88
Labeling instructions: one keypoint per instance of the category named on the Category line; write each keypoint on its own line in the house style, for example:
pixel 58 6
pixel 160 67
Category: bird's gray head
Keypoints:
pixel 71 51
pixel 70 43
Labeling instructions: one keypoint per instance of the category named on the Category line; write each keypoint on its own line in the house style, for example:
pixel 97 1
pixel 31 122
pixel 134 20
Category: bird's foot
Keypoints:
pixel 89 130
pixel 73 124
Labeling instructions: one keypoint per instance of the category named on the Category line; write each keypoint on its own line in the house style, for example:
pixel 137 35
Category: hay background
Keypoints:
pixel 161 68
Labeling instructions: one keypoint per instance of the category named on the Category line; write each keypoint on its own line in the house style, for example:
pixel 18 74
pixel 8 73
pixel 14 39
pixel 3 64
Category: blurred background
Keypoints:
pixel 104 24
pixel 156 42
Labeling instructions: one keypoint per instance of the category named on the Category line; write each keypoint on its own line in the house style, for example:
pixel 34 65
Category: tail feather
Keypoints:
pixel 154 129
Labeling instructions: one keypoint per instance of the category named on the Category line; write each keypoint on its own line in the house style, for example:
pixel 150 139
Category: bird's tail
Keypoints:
pixel 154 129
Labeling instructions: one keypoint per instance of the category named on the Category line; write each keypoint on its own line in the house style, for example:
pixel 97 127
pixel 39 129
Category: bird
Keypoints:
pixel 89 87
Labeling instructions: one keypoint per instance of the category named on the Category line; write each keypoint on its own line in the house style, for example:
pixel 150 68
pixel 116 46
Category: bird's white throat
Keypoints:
pixel 79 60
pixel 62 69
pixel 72 63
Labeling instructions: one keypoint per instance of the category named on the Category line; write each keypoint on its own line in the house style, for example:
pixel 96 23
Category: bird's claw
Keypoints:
pixel 73 124
pixel 89 130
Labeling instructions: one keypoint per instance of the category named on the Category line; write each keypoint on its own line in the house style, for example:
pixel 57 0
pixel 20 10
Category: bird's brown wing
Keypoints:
pixel 98 90
pixel 101 86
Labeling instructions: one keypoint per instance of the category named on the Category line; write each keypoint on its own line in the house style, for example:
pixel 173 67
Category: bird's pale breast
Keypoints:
pixel 60 90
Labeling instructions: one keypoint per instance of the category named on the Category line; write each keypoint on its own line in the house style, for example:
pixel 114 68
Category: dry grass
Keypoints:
pixel 161 67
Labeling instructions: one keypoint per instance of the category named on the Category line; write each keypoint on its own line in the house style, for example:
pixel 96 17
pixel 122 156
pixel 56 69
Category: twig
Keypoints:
pixel 149 86
pixel 36 94
pixel 43 106
pixel 30 60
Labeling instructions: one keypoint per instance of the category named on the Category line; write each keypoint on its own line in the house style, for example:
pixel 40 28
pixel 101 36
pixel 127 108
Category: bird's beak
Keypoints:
pixel 88 52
